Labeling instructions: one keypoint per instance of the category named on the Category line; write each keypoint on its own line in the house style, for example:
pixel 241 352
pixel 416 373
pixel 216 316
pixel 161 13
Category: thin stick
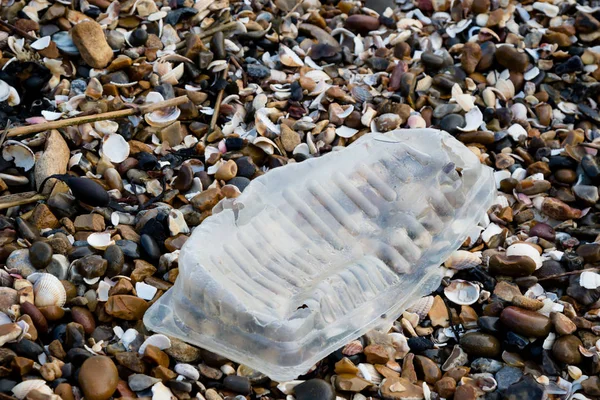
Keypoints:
pixel 5 133
pixel 63 123
pixel 18 31
pixel 12 200
pixel 213 121
pixel 293 8
pixel 567 274
pixel 237 64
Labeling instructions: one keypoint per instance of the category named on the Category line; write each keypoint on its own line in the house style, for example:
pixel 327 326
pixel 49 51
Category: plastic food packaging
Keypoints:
pixel 313 255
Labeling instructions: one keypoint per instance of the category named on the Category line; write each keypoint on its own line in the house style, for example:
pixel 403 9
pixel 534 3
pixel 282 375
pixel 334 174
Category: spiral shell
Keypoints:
pixel 421 307
pixel 48 290
pixel 462 259
pixel 22 389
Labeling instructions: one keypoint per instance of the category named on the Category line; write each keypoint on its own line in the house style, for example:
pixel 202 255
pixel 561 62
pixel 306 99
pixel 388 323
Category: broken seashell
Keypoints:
pixel 20 154
pixel 462 292
pixel 157 340
pixel 48 290
pixel 100 240
pixel 474 119
pixel 352 348
pixel 345 132
pixel 589 280
pixel 41 44
pixel 115 147
pixel 22 389
pixel 524 249
pixel 289 58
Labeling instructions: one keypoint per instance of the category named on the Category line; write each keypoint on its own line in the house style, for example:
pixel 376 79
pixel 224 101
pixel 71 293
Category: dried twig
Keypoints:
pixel 63 123
pixel 5 133
pixel 568 273
pixel 12 200
pixel 18 31
pixel 213 121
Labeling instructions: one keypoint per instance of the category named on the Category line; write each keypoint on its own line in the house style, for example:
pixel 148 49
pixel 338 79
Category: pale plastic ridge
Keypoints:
pixel 314 254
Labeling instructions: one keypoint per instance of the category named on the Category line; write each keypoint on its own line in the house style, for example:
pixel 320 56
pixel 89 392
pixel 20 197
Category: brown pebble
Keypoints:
pixel 470 56
pixel 376 354
pixel 154 355
pixel 84 317
pixel 527 303
pixel 98 378
pixel 566 349
pixel 445 387
pixel 40 322
pixel 477 344
pixel 361 23
pixel 511 58
pixel 525 322
pixel 562 324
pixel 427 369
pixel 89 39
pixel 52 313
pixel 65 391
pixel 126 307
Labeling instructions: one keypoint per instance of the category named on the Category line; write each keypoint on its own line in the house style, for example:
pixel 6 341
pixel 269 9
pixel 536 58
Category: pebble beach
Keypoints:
pixel 124 123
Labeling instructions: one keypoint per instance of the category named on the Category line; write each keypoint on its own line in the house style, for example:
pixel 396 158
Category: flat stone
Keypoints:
pixel 90 222
pixel 525 322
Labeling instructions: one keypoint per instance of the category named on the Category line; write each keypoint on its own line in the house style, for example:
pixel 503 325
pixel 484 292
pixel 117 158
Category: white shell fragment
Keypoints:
pixel 474 119
pixel 100 240
pixel 145 291
pixel 158 340
pixel 462 292
pixel 523 249
pixel 115 147
pixel 22 155
pixel 22 389
pixel 345 132
pixel 47 290
pixel 41 44
pixel 589 280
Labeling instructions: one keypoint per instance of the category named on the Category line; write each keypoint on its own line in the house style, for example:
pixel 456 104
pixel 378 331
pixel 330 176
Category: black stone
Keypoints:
pixel 590 166
pixel 257 71
pixel 451 122
pixel 174 16
pixel 432 61
pixel 517 342
pixel 217 46
pixel 296 91
pixel 239 182
pixel 234 143
pixel 91 267
pixel 180 386
pixel 130 248
pixel 238 384
pixel 6 385
pixel 150 247
pixel 78 355
pixel 26 348
pixel 27 230
pixel 489 324
pixel 147 161
pixel 115 258
pixel 419 344
pixel 79 252
pixel 378 63
pixel 314 389
pixel 573 64
pixel 40 254
pixel 246 167
pixel 527 388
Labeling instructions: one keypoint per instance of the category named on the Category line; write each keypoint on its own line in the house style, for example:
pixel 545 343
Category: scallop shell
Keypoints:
pixel 462 292
pixel 421 307
pixel 352 348
pixel 462 259
pixel 22 389
pixel 48 290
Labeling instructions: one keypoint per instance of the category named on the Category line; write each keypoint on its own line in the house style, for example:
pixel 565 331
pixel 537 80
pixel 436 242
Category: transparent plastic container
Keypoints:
pixel 315 254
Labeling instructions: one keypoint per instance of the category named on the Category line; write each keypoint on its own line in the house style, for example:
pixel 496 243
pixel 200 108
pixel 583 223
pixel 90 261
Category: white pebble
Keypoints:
pixel 188 371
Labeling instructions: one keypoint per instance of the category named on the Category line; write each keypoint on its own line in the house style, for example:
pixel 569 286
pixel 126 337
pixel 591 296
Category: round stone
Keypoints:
pixel 98 378
pixel 40 254
pixel 238 384
pixel 478 344
pixel 115 260
pixel 314 389
pixel 451 122
pixel 566 349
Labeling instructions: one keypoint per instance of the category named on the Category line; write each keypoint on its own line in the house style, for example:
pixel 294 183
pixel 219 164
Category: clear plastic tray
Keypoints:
pixel 314 254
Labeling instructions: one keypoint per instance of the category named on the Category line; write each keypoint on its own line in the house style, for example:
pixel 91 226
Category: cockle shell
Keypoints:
pixel 352 348
pixel 22 389
pixel 421 307
pixel 48 290
pixel 462 292
pixel 462 259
